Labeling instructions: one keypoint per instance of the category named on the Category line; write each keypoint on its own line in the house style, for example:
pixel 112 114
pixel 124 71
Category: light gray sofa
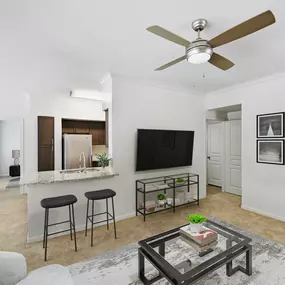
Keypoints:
pixel 13 270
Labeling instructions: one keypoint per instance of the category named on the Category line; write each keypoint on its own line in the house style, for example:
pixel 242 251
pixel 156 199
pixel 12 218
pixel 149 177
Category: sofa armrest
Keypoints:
pixel 13 268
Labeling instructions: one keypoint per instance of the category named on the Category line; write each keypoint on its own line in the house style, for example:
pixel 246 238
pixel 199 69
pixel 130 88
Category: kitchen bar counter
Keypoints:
pixel 71 175
pixel 57 183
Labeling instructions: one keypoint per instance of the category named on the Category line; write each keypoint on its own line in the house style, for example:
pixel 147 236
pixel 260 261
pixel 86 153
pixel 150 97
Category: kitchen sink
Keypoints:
pixel 70 171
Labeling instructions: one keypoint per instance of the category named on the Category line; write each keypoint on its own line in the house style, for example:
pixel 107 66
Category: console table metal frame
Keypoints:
pixel 166 270
pixel 141 185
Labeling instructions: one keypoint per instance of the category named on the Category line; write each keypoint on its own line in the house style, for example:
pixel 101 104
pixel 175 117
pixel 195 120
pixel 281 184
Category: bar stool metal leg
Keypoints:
pixel 46 233
pixel 107 211
pixel 92 221
pixel 87 213
pixel 114 217
pixel 70 222
pixel 74 230
pixel 45 222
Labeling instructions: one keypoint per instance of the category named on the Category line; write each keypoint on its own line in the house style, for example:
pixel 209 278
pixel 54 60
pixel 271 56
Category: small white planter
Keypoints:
pixel 161 202
pixel 196 228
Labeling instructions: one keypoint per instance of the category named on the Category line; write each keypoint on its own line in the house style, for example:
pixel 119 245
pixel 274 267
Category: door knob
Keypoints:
pixel 209 157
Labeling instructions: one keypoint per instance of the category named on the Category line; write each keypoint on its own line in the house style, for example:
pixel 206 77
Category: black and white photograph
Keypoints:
pixel 270 125
pixel 270 151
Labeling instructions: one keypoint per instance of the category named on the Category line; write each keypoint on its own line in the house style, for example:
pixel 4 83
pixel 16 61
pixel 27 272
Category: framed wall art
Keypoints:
pixel 270 125
pixel 270 151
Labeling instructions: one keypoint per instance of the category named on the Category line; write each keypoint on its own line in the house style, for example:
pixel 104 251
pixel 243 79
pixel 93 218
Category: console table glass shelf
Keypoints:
pixel 172 187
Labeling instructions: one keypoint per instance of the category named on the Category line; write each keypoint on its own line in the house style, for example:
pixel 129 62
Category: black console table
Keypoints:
pixel 14 170
pixel 167 185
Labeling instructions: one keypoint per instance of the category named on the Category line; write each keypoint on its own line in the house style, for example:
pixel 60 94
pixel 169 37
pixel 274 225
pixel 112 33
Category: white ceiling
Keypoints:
pixel 66 44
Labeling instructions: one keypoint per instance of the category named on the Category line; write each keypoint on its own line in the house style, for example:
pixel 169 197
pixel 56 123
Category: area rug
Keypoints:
pixel 120 267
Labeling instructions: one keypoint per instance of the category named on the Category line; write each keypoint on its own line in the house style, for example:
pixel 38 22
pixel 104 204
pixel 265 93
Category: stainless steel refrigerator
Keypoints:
pixel 73 147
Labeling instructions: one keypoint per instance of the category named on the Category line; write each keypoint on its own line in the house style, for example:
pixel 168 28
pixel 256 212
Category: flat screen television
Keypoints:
pixel 158 149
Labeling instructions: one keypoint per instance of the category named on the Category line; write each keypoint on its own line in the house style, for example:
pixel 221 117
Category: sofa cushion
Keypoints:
pixel 49 275
pixel 13 268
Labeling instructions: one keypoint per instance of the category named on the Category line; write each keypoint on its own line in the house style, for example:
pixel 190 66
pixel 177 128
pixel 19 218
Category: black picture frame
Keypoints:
pixel 267 143
pixel 268 116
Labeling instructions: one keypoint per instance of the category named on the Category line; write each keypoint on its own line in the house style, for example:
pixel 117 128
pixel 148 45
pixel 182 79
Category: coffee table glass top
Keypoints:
pixel 171 253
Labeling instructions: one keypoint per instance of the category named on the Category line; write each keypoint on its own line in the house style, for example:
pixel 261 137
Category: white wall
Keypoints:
pixel 262 184
pixel 137 105
pixel 10 138
pixel 58 106
pixel 13 104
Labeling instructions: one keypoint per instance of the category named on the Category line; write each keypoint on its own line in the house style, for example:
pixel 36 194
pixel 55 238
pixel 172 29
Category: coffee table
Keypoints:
pixel 236 244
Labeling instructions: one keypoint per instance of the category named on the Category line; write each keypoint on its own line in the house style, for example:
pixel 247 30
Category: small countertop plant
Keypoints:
pixel 103 159
pixel 196 219
pixel 161 197
pixel 180 180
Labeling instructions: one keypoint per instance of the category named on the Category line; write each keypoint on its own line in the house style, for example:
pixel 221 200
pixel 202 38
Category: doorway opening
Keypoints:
pixel 223 142
pixel 10 154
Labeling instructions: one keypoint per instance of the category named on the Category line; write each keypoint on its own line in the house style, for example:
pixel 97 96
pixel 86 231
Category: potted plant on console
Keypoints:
pixel 161 198
pixel 180 181
pixel 103 159
pixel 196 222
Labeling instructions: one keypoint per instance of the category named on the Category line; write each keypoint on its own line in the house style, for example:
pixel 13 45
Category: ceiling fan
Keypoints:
pixel 200 50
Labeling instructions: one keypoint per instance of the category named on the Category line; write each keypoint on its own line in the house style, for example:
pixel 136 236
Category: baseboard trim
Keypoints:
pixel 282 219
pixel 79 228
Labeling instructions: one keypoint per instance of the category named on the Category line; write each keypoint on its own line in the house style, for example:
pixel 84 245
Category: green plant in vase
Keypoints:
pixel 196 222
pixel 180 181
pixel 161 198
pixel 103 159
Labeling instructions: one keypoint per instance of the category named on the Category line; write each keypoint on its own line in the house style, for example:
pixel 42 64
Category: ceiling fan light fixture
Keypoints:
pixel 199 52
pixel 198 58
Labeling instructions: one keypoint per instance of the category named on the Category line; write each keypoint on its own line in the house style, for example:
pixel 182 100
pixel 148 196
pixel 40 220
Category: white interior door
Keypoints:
pixel 215 150
pixel 233 157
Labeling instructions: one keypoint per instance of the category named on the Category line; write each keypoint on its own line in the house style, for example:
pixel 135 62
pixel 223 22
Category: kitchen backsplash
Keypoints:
pixel 98 149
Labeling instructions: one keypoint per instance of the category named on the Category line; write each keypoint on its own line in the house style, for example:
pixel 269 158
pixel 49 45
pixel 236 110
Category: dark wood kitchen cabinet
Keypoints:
pixel 101 137
pixel 45 143
pixel 68 127
pixel 94 128
pixel 97 130
pixel 82 127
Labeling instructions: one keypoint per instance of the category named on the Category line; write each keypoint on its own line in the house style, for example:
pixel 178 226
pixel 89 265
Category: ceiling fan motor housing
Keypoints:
pixel 199 47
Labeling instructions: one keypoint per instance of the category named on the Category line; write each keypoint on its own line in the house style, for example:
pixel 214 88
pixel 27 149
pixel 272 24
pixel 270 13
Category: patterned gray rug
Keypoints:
pixel 120 267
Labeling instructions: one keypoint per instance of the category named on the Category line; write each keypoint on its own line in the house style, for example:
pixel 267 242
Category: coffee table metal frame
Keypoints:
pixel 166 270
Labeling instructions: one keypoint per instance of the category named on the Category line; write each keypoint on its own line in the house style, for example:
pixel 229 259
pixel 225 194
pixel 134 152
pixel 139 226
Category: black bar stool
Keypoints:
pixel 57 202
pixel 100 195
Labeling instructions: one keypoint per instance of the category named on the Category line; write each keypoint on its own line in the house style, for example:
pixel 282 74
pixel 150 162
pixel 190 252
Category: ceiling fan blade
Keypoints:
pixel 246 28
pixel 221 62
pixel 159 31
pixel 171 63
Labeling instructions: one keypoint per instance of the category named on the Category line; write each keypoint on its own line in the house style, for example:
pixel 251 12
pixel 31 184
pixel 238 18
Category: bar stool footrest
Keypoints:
pixel 59 232
pixel 58 223
pixel 94 223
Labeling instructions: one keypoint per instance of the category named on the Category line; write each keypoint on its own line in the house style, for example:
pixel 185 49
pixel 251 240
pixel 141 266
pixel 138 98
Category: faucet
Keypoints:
pixel 84 161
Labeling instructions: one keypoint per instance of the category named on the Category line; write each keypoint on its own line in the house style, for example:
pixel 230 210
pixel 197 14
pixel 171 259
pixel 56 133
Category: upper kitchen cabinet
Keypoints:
pixel 94 128
pixel 97 130
pixel 68 126
pixel 82 127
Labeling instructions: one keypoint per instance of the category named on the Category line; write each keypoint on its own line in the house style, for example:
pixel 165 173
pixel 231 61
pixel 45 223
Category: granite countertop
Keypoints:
pixel 71 175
